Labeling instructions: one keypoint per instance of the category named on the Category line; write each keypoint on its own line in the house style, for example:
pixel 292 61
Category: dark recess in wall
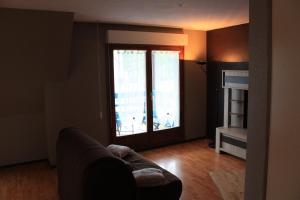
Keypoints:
pixel 215 93
pixel 227 49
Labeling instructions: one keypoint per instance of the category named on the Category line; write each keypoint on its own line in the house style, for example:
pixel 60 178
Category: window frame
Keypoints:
pixel 161 136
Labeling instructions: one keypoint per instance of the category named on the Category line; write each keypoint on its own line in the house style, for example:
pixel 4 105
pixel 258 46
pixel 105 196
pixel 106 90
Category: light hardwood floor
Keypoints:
pixel 191 162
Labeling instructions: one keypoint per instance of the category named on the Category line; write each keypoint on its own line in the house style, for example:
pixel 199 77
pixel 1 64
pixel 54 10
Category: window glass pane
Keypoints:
pixel 166 89
pixel 130 91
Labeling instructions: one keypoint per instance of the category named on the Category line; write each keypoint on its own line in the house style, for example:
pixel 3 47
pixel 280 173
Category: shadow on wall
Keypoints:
pixel 194 100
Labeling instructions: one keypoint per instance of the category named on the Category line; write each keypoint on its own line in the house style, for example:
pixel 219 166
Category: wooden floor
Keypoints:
pixel 35 181
pixel 191 162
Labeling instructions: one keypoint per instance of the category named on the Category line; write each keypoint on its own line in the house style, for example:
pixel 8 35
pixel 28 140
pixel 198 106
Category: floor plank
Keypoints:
pixel 191 162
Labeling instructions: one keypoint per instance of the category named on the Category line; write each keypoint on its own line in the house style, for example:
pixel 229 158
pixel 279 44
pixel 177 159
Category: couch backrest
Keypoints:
pixel 88 171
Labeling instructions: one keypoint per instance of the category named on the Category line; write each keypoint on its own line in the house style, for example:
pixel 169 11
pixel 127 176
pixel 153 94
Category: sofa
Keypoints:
pixel 88 171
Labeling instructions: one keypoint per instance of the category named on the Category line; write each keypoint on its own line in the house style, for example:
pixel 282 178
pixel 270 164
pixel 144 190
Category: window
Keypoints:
pixel 130 91
pixel 165 89
pixel 146 89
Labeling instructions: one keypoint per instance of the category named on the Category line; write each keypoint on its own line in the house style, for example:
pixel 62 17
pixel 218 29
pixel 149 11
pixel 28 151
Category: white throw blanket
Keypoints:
pixel 149 177
pixel 119 150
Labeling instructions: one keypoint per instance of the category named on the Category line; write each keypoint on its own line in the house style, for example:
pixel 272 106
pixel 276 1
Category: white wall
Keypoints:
pixel 284 145
pixel 150 38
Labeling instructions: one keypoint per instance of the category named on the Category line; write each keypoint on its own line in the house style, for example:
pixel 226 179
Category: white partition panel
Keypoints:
pixel 151 38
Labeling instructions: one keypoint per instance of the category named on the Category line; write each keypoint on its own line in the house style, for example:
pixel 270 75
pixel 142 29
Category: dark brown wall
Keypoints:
pixel 228 44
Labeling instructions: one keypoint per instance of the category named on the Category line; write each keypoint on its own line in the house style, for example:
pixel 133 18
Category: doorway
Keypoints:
pixel 146 94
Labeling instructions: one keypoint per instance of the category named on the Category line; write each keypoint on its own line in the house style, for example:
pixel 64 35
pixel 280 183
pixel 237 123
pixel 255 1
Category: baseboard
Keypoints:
pixel 175 143
pixel 25 163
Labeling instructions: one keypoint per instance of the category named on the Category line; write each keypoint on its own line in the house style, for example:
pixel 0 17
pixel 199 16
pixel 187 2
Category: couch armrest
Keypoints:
pixel 88 171
pixel 112 180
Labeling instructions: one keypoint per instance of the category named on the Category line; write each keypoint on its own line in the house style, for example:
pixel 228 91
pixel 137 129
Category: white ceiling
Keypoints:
pixel 189 14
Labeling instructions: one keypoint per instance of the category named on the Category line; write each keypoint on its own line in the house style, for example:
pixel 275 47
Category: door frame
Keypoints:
pixel 151 138
pixel 260 68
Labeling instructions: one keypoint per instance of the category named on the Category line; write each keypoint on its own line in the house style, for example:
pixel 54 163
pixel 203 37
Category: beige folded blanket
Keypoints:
pixel 149 177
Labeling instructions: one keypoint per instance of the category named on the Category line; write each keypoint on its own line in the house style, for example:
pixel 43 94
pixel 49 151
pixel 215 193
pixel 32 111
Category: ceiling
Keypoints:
pixel 188 14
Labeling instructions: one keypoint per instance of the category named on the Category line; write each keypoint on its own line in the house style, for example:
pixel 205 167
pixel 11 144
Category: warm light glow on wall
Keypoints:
pixel 229 44
pixel 213 23
pixel 232 57
pixel 196 46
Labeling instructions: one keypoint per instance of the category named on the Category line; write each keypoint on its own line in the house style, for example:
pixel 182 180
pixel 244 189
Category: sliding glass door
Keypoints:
pixel 165 89
pixel 130 91
pixel 146 92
